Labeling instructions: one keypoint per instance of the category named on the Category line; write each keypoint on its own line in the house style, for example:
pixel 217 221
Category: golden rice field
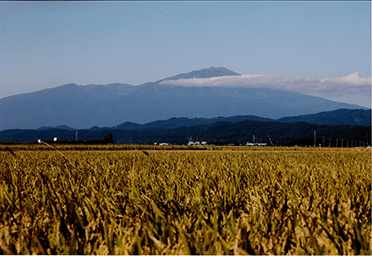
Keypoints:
pixel 220 200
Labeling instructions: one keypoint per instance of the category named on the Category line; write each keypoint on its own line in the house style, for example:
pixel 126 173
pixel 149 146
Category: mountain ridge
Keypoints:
pixel 355 117
pixel 107 105
pixel 221 133
pixel 203 73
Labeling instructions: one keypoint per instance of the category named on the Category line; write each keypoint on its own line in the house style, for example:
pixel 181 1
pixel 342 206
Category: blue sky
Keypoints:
pixel 47 44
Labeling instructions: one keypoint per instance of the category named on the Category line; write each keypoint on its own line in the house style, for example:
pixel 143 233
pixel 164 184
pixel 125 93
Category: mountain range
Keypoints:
pixel 351 117
pixel 330 125
pixel 108 105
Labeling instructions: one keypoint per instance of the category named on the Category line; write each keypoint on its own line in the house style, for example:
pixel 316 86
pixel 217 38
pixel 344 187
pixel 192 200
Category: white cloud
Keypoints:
pixel 353 79
pixel 350 84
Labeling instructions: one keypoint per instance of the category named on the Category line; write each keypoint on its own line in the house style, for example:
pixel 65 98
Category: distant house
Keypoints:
pixel 256 144
pixel 196 143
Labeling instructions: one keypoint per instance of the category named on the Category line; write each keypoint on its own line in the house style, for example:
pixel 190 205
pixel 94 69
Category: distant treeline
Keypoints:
pixel 222 133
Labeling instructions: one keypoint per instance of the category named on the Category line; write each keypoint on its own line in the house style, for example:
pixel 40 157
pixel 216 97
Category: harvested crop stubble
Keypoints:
pixel 270 201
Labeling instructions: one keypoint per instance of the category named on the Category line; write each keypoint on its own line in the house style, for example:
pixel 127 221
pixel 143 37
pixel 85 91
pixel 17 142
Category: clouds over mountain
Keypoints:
pixel 350 84
pixel 107 105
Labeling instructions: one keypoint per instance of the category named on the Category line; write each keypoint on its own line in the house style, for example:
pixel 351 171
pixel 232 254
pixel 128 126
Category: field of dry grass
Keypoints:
pixel 164 200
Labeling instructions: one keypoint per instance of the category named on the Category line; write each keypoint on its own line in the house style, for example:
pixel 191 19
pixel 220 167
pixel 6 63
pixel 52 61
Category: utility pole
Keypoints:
pixel 367 139
pixel 270 140
pixel 314 138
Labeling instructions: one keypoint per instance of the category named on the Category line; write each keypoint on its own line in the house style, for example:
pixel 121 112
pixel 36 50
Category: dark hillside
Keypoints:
pixel 358 117
pixel 216 133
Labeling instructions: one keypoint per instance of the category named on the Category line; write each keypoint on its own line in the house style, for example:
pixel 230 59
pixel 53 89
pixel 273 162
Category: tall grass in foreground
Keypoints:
pixel 186 202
